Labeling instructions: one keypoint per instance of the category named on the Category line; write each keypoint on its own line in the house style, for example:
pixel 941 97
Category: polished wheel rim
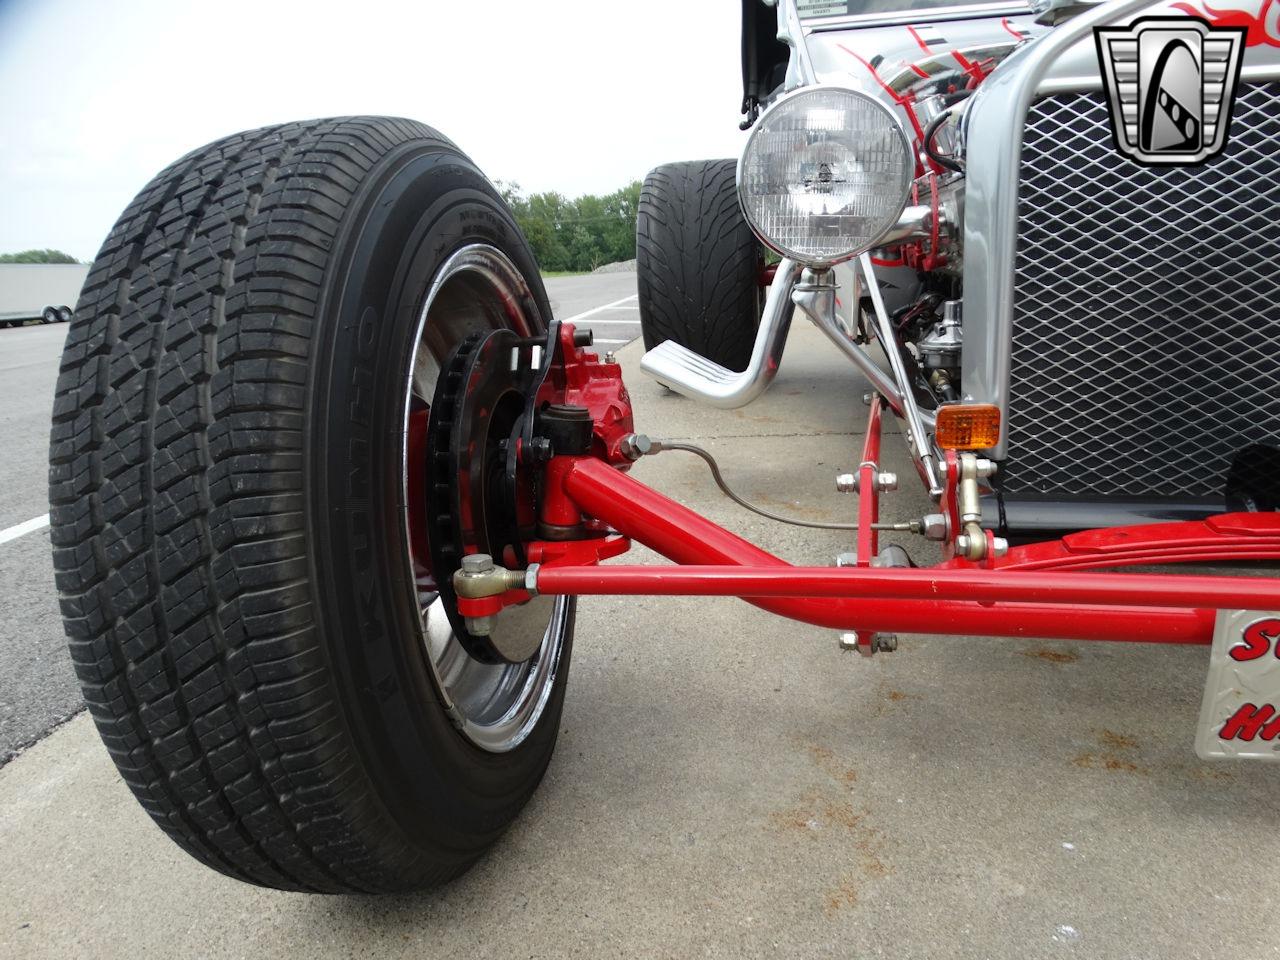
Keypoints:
pixel 495 706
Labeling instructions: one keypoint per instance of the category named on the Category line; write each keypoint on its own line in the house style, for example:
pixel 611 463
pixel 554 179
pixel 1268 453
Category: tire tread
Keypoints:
pixel 697 262
pixel 178 519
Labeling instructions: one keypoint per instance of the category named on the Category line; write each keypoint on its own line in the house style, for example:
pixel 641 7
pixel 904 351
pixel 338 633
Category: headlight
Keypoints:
pixel 825 174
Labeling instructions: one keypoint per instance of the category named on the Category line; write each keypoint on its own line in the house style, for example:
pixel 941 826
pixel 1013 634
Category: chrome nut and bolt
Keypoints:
pixel 869 644
pixel 935 526
pixel 885 480
pixel 479 577
pixel 637 445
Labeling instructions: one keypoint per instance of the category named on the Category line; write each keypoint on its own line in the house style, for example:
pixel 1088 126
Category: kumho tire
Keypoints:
pixel 232 508
pixel 698 265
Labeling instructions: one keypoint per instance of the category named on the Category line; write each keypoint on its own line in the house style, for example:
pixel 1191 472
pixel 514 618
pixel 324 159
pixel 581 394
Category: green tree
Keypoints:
pixel 579 234
pixel 38 256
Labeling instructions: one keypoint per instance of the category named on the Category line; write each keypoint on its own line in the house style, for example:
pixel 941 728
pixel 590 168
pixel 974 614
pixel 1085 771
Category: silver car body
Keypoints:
pixel 1021 61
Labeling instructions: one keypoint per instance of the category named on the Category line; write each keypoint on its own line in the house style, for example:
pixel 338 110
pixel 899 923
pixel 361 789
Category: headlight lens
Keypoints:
pixel 825 174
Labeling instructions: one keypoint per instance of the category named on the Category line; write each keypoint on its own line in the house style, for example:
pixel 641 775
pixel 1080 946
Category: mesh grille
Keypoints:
pixel 1146 322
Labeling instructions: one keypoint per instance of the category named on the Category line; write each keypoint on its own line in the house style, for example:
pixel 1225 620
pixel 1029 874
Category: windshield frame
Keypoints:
pixel 957 11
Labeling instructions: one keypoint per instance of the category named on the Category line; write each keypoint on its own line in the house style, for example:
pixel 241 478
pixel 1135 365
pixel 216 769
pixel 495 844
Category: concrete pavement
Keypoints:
pixel 37 687
pixel 728 784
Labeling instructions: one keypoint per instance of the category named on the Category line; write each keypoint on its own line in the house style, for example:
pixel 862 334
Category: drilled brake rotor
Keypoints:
pixel 479 501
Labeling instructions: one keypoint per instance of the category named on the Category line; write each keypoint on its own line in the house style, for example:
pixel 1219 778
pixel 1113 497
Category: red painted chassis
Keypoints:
pixel 1036 590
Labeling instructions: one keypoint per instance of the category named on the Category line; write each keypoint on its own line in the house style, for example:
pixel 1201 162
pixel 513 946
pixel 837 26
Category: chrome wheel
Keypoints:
pixel 495 706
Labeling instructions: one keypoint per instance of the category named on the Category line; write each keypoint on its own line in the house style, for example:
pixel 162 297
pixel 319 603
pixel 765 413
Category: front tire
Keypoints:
pixel 233 504
pixel 698 265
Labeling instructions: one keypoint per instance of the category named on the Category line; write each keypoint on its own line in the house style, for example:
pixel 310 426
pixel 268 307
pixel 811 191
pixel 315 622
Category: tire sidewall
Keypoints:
pixel 423 203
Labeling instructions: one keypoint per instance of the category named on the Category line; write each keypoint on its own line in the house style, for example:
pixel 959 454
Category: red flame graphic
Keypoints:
pixel 1256 25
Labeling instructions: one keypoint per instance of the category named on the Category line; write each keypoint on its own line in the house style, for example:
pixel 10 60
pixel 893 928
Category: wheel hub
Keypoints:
pixel 480 498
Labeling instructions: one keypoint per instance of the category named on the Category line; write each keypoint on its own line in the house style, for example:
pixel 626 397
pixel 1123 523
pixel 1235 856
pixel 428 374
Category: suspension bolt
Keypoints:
pixel 540 450
pixel 479 626
pixel 477 563
pixel 886 481
pixel 999 546
pixel 846 483
pixel 610 357
pixel 869 644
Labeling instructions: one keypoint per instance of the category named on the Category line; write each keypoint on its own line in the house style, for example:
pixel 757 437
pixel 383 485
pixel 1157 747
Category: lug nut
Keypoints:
pixel 846 483
pixel 999 546
pixel 848 641
pixel 610 357
pixel 886 481
pixel 849 559
pixel 867 398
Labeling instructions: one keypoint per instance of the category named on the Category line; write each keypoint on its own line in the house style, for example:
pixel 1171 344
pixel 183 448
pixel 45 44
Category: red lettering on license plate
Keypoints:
pixel 1256 641
pixel 1250 721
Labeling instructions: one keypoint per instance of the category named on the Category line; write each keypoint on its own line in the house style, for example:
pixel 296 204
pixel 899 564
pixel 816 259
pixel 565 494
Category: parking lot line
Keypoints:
pixel 20 529
pixel 593 311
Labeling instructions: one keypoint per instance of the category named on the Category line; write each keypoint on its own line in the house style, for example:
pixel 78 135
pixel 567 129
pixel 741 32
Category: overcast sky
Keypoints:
pixel 570 95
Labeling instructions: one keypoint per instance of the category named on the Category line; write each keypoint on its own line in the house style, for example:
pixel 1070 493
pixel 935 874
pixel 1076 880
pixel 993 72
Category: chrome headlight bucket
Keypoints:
pixel 825 174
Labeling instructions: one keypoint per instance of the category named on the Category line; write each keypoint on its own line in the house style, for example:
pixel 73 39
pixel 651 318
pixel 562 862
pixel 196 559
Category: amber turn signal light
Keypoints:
pixel 968 426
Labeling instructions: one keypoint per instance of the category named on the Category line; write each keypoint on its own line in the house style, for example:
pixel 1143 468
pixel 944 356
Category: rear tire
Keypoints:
pixel 228 516
pixel 49 315
pixel 698 264
pixel 64 314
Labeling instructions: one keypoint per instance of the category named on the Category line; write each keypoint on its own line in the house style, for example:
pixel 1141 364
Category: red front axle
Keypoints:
pixel 1027 593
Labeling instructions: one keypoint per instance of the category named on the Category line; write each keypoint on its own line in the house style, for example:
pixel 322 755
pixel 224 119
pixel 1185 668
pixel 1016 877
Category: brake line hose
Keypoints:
pixel 638 446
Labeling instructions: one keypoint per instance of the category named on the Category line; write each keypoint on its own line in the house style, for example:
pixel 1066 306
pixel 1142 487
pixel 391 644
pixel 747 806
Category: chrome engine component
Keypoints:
pixel 939 351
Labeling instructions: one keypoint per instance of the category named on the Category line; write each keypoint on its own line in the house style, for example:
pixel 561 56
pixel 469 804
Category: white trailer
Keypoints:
pixel 39 291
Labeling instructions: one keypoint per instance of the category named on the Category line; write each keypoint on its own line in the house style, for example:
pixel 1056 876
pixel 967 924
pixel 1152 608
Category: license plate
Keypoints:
pixel 1240 713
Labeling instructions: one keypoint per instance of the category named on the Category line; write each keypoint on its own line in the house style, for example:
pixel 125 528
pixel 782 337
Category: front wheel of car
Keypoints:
pixel 699 267
pixel 239 493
